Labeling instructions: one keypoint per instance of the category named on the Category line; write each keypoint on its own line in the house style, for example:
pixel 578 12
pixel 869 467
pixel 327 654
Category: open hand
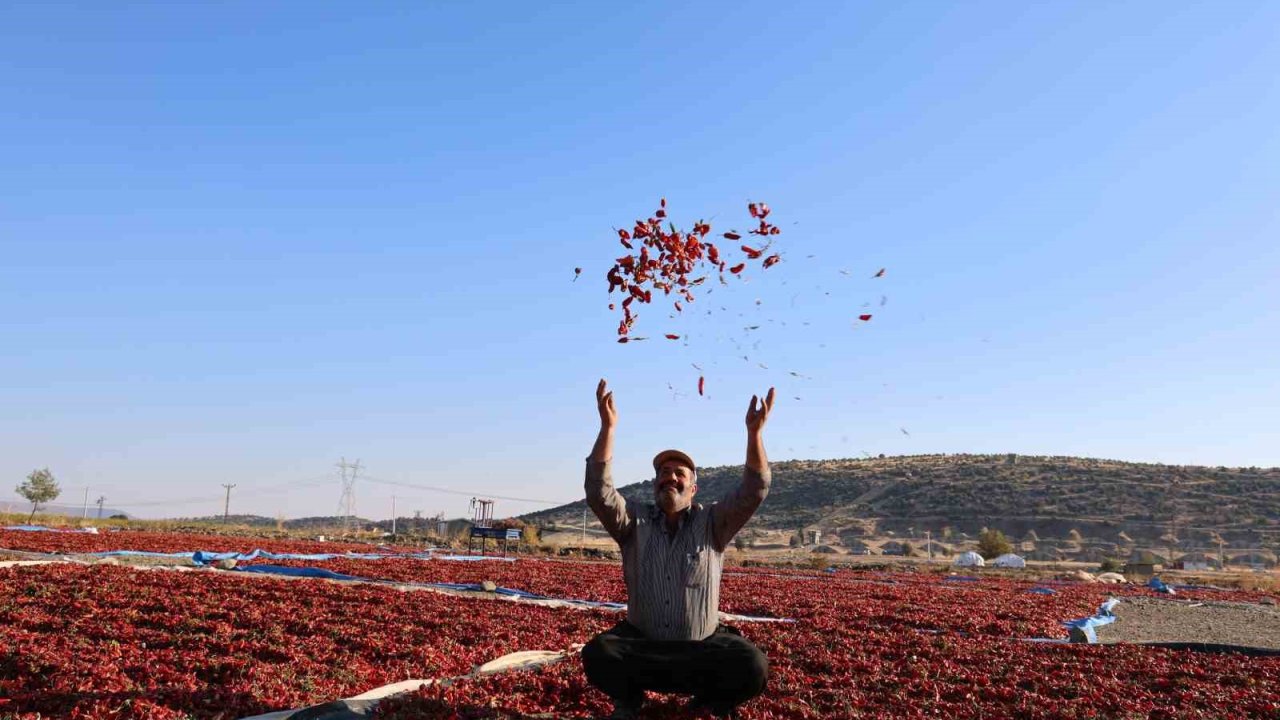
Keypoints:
pixel 758 412
pixel 604 403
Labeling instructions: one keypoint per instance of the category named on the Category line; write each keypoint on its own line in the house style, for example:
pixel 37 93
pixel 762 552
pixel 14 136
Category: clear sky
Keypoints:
pixel 242 240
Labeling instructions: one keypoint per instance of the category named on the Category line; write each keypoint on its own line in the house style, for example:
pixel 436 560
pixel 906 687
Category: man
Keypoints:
pixel 672 554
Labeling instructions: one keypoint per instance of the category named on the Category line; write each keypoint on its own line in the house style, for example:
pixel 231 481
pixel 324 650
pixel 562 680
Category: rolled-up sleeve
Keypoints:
pixel 730 514
pixel 606 502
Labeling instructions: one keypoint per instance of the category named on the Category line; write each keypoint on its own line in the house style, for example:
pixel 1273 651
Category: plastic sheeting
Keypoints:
pixel 298 572
pixel 511 593
pixel 1083 630
pixel 1043 591
pixel 364 705
pixel 41 528
pixel 1158 585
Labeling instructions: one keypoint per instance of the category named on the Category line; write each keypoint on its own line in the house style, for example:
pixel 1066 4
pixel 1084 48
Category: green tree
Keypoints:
pixel 992 544
pixel 40 487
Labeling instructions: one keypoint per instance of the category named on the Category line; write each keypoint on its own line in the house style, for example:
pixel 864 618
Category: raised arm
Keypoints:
pixel 730 514
pixel 604 500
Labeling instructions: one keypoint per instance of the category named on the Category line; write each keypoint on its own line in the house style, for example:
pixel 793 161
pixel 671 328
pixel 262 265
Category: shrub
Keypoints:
pixel 992 544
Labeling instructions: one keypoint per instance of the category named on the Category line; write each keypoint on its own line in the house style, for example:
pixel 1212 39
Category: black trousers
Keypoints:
pixel 722 671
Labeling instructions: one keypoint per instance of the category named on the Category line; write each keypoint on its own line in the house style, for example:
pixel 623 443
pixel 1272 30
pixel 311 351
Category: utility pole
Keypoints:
pixel 84 515
pixel 928 543
pixel 393 514
pixel 101 499
pixel 226 504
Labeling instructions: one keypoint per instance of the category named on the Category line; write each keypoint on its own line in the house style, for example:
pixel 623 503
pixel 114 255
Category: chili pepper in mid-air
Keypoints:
pixel 702 381
pixel 672 336
pixel 771 261
pixel 864 318
pixel 667 259
pixel 879 274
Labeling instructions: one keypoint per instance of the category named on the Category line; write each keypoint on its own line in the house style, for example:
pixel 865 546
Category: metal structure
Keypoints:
pixel 482 528
pixel 347 504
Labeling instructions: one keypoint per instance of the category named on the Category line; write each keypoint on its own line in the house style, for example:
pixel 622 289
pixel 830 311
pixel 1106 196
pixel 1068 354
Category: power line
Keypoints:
pixel 316 481
pixel 468 493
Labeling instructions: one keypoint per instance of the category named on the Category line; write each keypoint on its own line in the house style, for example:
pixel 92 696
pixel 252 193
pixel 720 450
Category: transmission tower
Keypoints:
pixel 347 504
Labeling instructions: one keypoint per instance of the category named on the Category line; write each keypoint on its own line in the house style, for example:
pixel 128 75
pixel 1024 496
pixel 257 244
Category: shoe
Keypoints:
pixel 697 705
pixel 623 710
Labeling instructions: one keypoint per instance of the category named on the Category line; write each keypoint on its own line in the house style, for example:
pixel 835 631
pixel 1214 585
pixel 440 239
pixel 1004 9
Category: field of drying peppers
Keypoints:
pixel 114 642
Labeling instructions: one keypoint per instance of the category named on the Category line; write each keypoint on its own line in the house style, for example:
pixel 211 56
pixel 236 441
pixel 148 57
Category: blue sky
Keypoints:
pixel 242 241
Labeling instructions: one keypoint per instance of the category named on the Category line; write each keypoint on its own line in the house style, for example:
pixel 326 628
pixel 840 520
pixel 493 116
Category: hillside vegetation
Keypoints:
pixel 1025 496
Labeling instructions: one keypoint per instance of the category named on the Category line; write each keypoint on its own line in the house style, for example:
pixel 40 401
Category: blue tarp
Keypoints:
pixel 1083 630
pixel 1043 591
pixel 961 578
pixel 1158 585
pixel 297 572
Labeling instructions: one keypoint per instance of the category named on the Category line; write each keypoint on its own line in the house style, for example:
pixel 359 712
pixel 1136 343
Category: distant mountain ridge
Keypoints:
pixel 18 505
pixel 958 495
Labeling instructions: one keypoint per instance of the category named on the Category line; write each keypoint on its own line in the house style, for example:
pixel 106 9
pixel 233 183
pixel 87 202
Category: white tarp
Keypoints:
pixel 970 559
pixel 1009 560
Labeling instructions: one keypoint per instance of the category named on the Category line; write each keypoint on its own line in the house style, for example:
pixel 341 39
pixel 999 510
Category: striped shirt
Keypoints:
pixel 673 580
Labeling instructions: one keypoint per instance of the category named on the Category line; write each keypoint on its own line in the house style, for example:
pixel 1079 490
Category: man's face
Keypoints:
pixel 674 487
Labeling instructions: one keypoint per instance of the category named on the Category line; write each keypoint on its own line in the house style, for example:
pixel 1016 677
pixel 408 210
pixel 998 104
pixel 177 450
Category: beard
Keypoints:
pixel 670 498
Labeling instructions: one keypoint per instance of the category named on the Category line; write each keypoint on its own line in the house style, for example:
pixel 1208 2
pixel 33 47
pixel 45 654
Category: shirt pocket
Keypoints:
pixel 695 568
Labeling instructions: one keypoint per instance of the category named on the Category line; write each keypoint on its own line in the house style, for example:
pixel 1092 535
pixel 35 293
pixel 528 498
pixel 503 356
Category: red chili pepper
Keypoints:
pixel 678 307
pixel 753 209
pixel 864 318
pixel 702 381
pixel 624 339
pixel 733 236
pixel 751 252
pixel 879 274
pixel 672 337
pixel 737 268
pixel 771 261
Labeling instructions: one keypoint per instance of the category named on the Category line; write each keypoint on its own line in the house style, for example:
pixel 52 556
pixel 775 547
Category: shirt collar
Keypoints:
pixel 656 514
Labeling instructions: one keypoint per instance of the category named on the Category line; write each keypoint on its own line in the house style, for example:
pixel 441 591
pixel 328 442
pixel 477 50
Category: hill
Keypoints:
pixel 1059 502
pixel 20 506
